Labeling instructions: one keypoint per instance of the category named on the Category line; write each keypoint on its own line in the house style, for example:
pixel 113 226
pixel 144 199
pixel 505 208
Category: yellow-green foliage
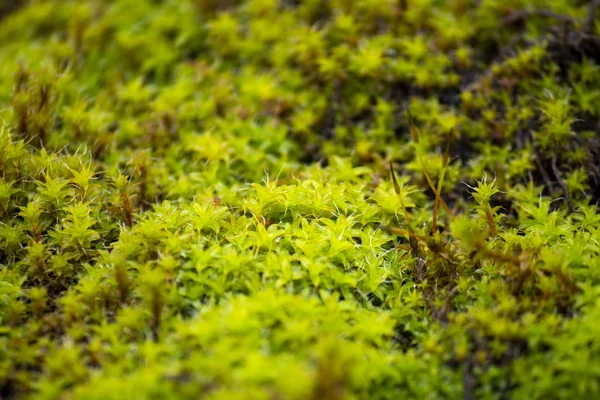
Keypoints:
pixel 276 199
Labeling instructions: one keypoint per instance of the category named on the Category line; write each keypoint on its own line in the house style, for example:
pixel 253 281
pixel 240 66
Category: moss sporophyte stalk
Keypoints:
pixel 273 199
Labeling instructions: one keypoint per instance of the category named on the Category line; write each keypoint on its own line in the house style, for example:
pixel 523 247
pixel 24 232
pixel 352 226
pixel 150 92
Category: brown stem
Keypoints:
pixel 403 5
pixel 121 278
pixel 127 208
pixel 490 220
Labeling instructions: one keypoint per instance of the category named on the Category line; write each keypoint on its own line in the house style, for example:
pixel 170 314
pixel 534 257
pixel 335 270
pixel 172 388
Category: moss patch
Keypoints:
pixel 271 199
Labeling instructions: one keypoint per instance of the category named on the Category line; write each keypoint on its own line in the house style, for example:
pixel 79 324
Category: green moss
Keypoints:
pixel 196 199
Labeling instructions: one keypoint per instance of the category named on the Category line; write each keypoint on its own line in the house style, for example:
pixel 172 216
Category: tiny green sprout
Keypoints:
pixel 81 179
pixel 484 190
pixel 31 213
pixel 482 195
pixel 76 231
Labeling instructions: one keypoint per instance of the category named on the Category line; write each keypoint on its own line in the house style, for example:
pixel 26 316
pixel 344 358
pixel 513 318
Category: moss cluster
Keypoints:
pixel 275 199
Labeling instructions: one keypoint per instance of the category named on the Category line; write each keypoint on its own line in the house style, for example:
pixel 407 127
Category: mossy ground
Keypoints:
pixel 196 199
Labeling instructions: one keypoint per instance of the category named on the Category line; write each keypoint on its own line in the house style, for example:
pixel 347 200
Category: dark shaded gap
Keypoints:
pixel 9 6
